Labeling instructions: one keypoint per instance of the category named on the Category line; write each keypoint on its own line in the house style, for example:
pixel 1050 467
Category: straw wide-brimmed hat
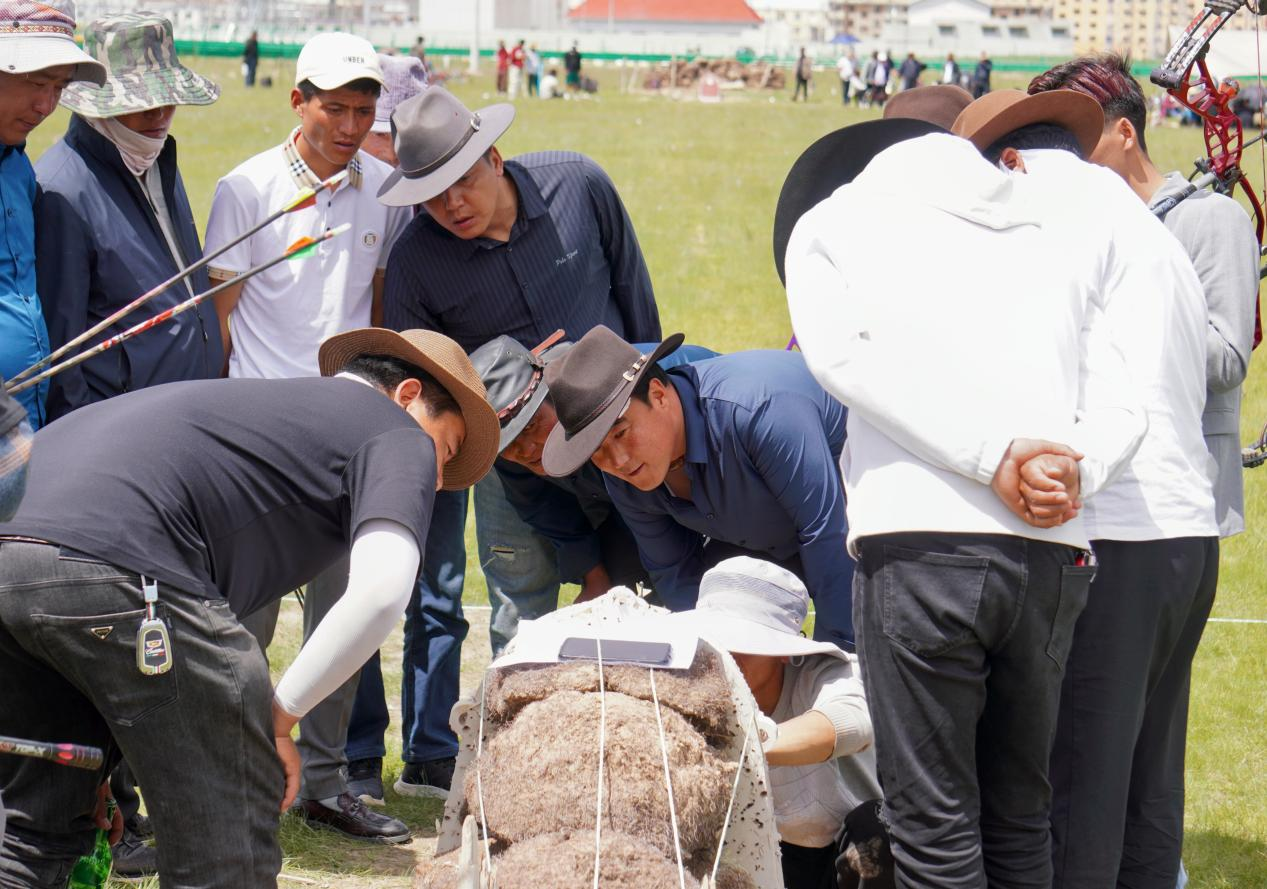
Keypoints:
pixel 36 35
pixel 590 387
pixel 437 139
pixel 444 359
pixel 996 114
pixel 142 70
pixel 750 606
pixel 834 160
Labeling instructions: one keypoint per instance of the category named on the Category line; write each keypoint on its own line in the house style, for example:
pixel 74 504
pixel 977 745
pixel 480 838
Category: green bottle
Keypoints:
pixel 92 871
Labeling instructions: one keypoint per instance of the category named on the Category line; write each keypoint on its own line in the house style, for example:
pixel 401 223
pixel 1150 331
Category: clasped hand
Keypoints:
pixel 1039 481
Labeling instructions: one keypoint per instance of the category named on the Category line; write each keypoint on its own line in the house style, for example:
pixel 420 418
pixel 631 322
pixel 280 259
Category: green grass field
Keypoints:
pixel 701 183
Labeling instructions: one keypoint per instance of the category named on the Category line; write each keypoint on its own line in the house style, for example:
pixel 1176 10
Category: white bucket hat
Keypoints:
pixel 35 36
pixel 750 606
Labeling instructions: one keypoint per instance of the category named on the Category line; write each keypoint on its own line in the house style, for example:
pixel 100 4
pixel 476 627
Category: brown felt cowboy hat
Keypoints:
pixel 937 103
pixel 444 359
pixel 591 386
pixel 996 114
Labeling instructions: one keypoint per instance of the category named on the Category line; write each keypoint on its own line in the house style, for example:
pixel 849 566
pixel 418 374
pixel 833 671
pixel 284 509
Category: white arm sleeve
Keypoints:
pixel 383 568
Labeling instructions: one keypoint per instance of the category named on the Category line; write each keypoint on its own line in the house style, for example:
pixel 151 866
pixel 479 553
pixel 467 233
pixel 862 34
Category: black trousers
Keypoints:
pixel 1117 766
pixel 962 640
pixel 806 868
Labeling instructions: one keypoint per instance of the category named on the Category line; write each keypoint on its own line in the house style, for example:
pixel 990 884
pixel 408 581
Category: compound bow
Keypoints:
pixel 1186 77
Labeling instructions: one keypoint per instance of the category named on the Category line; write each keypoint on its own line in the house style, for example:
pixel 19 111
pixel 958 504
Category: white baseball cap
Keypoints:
pixel 328 61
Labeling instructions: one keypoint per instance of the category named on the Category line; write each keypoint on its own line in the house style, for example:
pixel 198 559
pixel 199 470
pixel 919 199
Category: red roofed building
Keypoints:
pixel 700 16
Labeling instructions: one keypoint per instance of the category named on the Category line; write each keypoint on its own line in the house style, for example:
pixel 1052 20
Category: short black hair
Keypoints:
pixel 1105 77
pixel 1035 135
pixel 642 389
pixel 386 372
pixel 364 85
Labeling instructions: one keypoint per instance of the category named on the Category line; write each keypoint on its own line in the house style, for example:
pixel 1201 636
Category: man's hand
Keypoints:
pixel 283 724
pixel 594 584
pixel 1054 497
pixel 110 822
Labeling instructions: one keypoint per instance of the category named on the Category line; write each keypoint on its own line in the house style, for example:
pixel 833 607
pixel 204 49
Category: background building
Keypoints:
pixel 1145 28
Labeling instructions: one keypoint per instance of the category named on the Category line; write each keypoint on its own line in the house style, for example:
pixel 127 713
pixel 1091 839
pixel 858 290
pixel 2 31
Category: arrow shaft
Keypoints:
pixel 161 317
pixel 182 274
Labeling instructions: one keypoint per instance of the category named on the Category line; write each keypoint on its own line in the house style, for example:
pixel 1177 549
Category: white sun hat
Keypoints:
pixel 35 36
pixel 750 606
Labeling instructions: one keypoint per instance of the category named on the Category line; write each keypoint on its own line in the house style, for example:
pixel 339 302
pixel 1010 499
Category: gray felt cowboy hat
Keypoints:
pixel 142 70
pixel 591 386
pixel 513 376
pixel 444 359
pixel 437 139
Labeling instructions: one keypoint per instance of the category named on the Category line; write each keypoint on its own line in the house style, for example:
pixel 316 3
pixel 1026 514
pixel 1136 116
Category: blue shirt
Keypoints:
pixel 763 443
pixel 567 510
pixel 23 337
pixel 572 261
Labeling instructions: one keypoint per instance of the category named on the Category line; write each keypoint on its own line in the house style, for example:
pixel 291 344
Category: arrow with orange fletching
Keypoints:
pixel 303 247
pixel 303 200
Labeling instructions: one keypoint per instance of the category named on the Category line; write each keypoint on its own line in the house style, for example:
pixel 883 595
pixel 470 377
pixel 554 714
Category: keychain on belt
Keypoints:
pixel 153 645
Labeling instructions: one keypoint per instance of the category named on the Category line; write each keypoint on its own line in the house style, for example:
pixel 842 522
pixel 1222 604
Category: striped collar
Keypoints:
pixel 302 173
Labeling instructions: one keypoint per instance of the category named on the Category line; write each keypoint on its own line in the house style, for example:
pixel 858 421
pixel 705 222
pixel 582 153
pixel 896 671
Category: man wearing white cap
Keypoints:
pixel 273 324
pixel 38 59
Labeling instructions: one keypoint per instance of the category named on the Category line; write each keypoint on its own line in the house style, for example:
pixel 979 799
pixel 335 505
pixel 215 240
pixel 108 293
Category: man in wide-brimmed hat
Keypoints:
pixel 1155 530
pixel 152 521
pixel 114 220
pixel 817 735
pixel 738 454
pixel 970 581
pixel 38 60
pixel 574 512
pixel 280 318
pixel 520 248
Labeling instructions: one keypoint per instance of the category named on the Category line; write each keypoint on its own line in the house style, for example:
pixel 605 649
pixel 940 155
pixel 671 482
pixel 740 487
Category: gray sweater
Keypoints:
pixel 811 802
pixel 1219 239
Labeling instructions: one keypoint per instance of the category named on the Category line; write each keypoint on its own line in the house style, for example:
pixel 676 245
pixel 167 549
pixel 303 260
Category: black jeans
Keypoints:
pixel 963 640
pixel 1117 767
pixel 198 738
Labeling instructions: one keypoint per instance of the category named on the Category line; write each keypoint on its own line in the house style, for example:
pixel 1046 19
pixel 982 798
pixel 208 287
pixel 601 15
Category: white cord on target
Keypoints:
pixel 479 787
pixel 668 782
pixel 602 742
pixel 730 806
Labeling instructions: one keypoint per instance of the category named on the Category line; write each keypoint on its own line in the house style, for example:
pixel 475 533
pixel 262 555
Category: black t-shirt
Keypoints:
pixel 238 488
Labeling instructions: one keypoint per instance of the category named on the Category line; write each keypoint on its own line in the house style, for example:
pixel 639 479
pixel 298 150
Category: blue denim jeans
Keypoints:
pixel 198 738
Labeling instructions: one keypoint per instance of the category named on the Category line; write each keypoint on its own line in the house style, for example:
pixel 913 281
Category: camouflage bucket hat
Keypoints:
pixel 142 71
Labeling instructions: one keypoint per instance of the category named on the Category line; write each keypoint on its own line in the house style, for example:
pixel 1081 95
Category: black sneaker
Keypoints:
pixel 365 780
pixel 140 825
pixel 132 859
pixel 426 779
pixel 354 820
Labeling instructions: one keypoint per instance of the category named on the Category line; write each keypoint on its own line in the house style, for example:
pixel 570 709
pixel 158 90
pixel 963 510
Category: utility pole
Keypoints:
pixel 474 67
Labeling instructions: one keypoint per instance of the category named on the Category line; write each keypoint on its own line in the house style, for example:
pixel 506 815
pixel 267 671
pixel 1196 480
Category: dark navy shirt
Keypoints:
pixel 567 510
pixel 572 262
pixel 763 443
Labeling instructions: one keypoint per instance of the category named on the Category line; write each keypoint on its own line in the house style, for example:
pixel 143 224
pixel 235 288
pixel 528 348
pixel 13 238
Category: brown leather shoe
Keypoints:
pixel 353 819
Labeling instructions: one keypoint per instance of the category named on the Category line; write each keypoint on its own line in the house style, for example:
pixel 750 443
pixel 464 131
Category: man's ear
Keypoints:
pixel 296 100
pixel 1124 130
pixel 1011 159
pixel 495 160
pixel 407 392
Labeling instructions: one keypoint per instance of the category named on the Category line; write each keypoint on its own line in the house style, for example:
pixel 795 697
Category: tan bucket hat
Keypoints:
pixel 996 114
pixel 443 359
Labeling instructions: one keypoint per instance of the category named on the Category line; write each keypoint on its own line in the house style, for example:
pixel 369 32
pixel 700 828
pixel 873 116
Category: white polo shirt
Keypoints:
pixel 287 311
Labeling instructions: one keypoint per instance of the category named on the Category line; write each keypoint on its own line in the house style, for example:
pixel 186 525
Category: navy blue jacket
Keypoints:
pixel 99 246
pixel 763 444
